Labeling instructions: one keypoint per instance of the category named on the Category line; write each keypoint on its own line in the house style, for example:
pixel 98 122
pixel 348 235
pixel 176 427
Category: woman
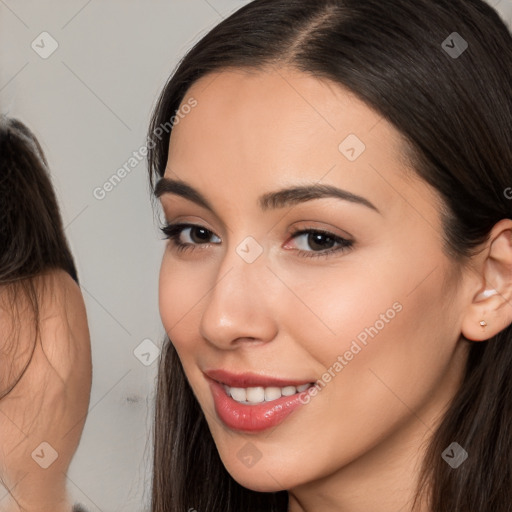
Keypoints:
pixel 337 282
pixel 45 374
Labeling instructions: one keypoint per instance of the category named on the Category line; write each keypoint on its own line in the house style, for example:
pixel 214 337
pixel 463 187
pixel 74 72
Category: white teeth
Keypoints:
pixel 258 395
pixel 289 390
pixel 272 394
pixel 238 394
pixel 255 395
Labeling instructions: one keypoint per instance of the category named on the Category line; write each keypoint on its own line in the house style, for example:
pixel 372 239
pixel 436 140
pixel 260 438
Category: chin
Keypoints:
pixel 257 484
pixel 259 477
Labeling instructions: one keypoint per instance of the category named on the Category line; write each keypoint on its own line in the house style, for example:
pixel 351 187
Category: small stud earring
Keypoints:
pixel 483 323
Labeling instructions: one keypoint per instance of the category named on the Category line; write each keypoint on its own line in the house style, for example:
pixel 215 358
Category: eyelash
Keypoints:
pixel 172 232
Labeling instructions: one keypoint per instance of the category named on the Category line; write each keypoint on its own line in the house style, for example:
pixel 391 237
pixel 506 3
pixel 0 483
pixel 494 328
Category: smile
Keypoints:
pixel 253 403
pixel 258 395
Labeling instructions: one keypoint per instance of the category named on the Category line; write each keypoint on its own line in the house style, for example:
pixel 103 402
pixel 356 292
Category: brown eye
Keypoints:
pixel 321 242
pixel 198 235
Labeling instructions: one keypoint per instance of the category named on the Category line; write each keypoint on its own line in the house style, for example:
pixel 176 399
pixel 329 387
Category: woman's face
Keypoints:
pixel 371 310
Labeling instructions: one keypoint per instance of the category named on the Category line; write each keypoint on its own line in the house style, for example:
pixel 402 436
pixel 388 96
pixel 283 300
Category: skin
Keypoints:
pixel 357 445
pixel 50 402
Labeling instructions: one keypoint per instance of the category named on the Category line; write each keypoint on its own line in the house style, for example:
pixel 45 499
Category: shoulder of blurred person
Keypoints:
pixel 43 414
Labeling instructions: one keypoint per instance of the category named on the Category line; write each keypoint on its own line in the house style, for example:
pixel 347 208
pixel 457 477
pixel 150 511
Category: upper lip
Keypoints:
pixel 245 380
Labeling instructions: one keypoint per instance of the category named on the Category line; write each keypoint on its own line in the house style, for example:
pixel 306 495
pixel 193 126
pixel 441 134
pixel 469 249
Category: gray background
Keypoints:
pixel 89 104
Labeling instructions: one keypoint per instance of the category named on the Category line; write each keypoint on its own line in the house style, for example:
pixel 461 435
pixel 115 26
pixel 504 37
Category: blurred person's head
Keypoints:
pixel 45 360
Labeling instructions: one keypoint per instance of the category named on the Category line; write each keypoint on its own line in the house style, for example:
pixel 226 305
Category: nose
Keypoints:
pixel 239 308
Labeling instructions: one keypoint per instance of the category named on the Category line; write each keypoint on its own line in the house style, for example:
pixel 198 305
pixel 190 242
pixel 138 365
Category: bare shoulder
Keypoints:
pixel 63 339
pixel 58 292
pixel 64 328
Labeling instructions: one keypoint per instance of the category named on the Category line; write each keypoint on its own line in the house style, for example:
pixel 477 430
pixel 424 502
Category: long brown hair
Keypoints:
pixel 455 112
pixel 32 239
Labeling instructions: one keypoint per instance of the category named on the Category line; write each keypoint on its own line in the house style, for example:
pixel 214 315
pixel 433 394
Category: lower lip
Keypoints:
pixel 253 418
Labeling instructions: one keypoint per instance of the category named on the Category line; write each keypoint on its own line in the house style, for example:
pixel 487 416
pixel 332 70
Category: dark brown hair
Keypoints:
pixel 32 239
pixel 455 112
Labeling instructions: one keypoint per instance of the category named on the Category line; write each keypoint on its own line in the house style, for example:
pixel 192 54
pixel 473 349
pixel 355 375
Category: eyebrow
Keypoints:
pixel 270 200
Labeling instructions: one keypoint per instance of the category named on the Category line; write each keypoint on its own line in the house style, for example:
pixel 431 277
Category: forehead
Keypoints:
pixel 279 102
pixel 250 128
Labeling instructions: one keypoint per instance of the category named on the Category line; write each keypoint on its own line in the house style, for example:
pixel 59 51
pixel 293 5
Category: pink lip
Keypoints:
pixel 247 380
pixel 253 418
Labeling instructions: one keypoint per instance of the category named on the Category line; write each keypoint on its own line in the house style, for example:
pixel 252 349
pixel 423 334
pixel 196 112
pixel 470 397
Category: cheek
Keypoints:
pixel 166 296
pixel 179 298
pixel 382 382
pixel 373 336
pixel 180 290
pixel 337 307
pixel 176 299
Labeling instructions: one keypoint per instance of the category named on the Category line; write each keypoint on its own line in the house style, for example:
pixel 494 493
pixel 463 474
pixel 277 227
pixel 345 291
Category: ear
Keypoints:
pixel 492 298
